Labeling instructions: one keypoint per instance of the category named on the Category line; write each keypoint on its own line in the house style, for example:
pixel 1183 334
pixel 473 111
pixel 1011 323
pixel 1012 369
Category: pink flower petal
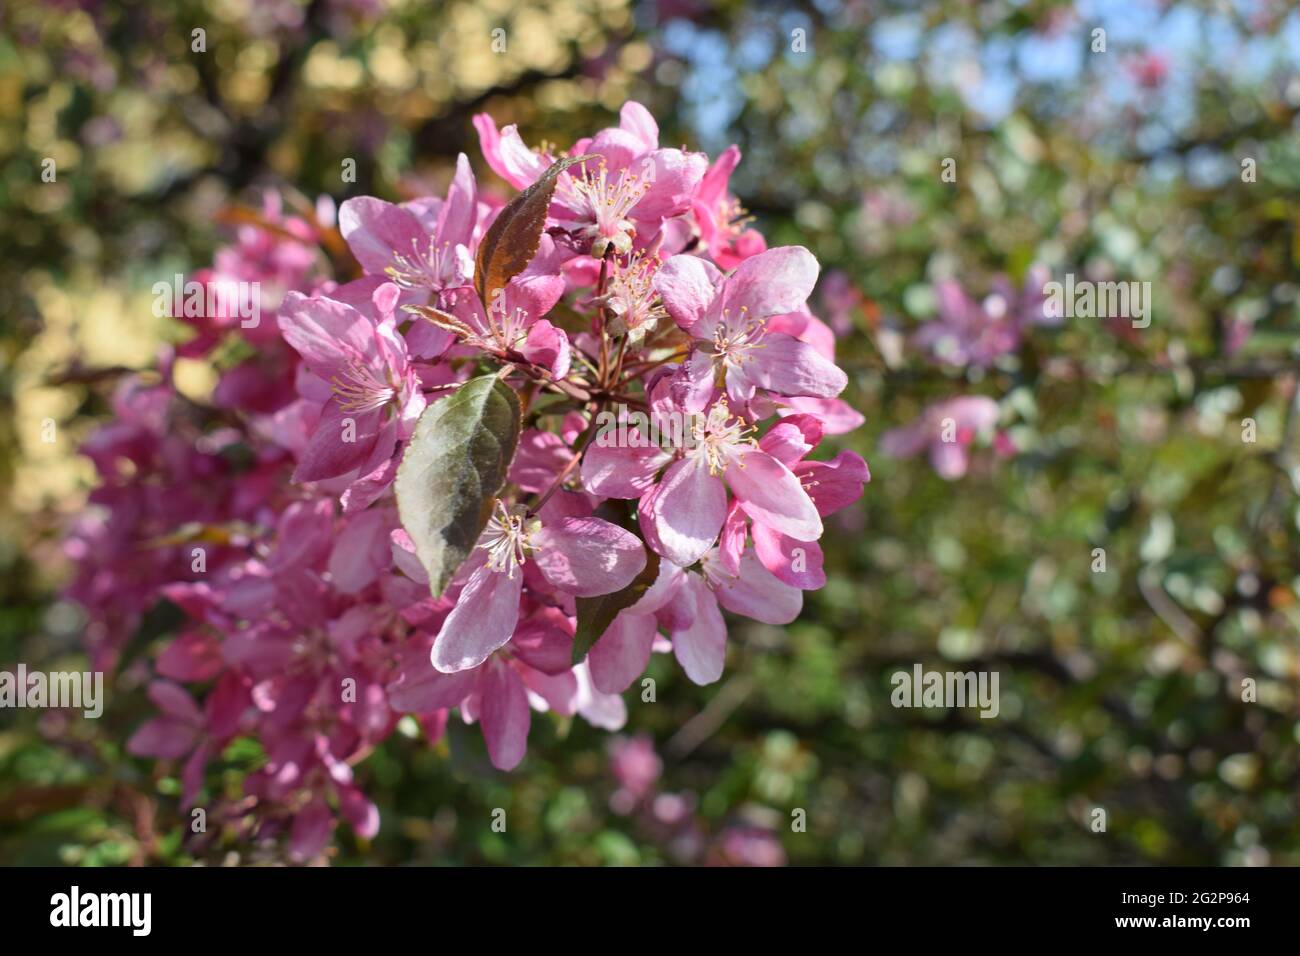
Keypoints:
pixel 806 327
pixel 797 563
pixel 505 716
pixel 420 688
pixel 621 654
pixel 636 119
pixel 770 492
pixel 689 508
pixel 361 814
pixel 361 551
pixel 482 620
pixel 506 153
pixel 165 738
pixel 310 831
pixel 757 593
pixel 949 459
pixel 729 253
pixel 675 177
pixel 193 772
pixel 606 711
pixel 834 484
pixel 713 186
pixel 547 346
pixel 663 591
pixel 226 705
pixel 619 148
pixel 541 456
pixel 193 656
pixel 688 285
pixel 976 412
pixel 621 471
pixel 732 543
pixel 459 214
pixel 790 439
pixel 701 648
pixel 370 486
pixel 906 441
pixel 324 332
pixel 838 417
pixel 375 230
pixel 425 340
pixel 693 386
pixel 545 641
pixel 173 701
pixel 330 453
pixel 789 367
pixel 557 691
pixel 586 557
pixel 771 283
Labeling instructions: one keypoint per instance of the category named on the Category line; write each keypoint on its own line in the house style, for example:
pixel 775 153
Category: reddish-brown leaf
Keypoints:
pixel 513 238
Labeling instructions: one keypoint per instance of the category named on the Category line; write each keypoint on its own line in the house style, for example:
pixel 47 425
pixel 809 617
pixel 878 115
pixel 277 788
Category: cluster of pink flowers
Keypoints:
pixel 270 519
pixel 671 819
pixel 974 334
pixel 969 334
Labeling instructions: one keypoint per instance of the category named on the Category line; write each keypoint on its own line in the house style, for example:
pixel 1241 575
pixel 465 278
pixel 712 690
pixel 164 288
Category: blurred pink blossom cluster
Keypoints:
pixel 670 820
pixel 970 334
pixel 317 604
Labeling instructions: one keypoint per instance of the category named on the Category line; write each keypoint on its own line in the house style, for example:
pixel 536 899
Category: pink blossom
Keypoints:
pixel 623 196
pixel 582 557
pixel 689 605
pixel 276 260
pixel 531 672
pixel 267 520
pixel 723 224
pixel 631 298
pixel 946 430
pixel 425 246
pixel 747 846
pixel 183 729
pixel 831 486
pixel 496 693
pixel 512 327
pixel 683 510
pixel 967 333
pixel 370 392
pixel 636 766
pixel 728 318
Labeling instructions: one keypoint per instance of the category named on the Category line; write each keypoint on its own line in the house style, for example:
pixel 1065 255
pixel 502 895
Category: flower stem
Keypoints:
pixel 583 441
pixel 600 317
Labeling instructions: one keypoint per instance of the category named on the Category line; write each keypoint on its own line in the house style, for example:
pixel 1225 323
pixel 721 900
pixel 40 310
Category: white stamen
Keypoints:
pixel 360 389
pixel 732 342
pixel 717 436
pixel 506 540
pixel 606 205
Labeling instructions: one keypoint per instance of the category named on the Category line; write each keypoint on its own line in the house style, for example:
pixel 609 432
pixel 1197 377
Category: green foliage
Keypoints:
pixel 455 464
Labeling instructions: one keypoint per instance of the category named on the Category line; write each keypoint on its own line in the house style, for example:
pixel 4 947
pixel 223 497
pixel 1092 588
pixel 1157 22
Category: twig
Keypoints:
pixel 572 463
pixel 1167 610
pixel 706 723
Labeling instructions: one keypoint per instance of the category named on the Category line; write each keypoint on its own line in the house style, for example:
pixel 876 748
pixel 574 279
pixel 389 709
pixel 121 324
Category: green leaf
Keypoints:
pixel 453 468
pixel 512 240
pixel 596 614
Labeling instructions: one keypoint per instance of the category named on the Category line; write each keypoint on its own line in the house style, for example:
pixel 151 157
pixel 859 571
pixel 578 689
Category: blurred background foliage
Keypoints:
pixel 1120 690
